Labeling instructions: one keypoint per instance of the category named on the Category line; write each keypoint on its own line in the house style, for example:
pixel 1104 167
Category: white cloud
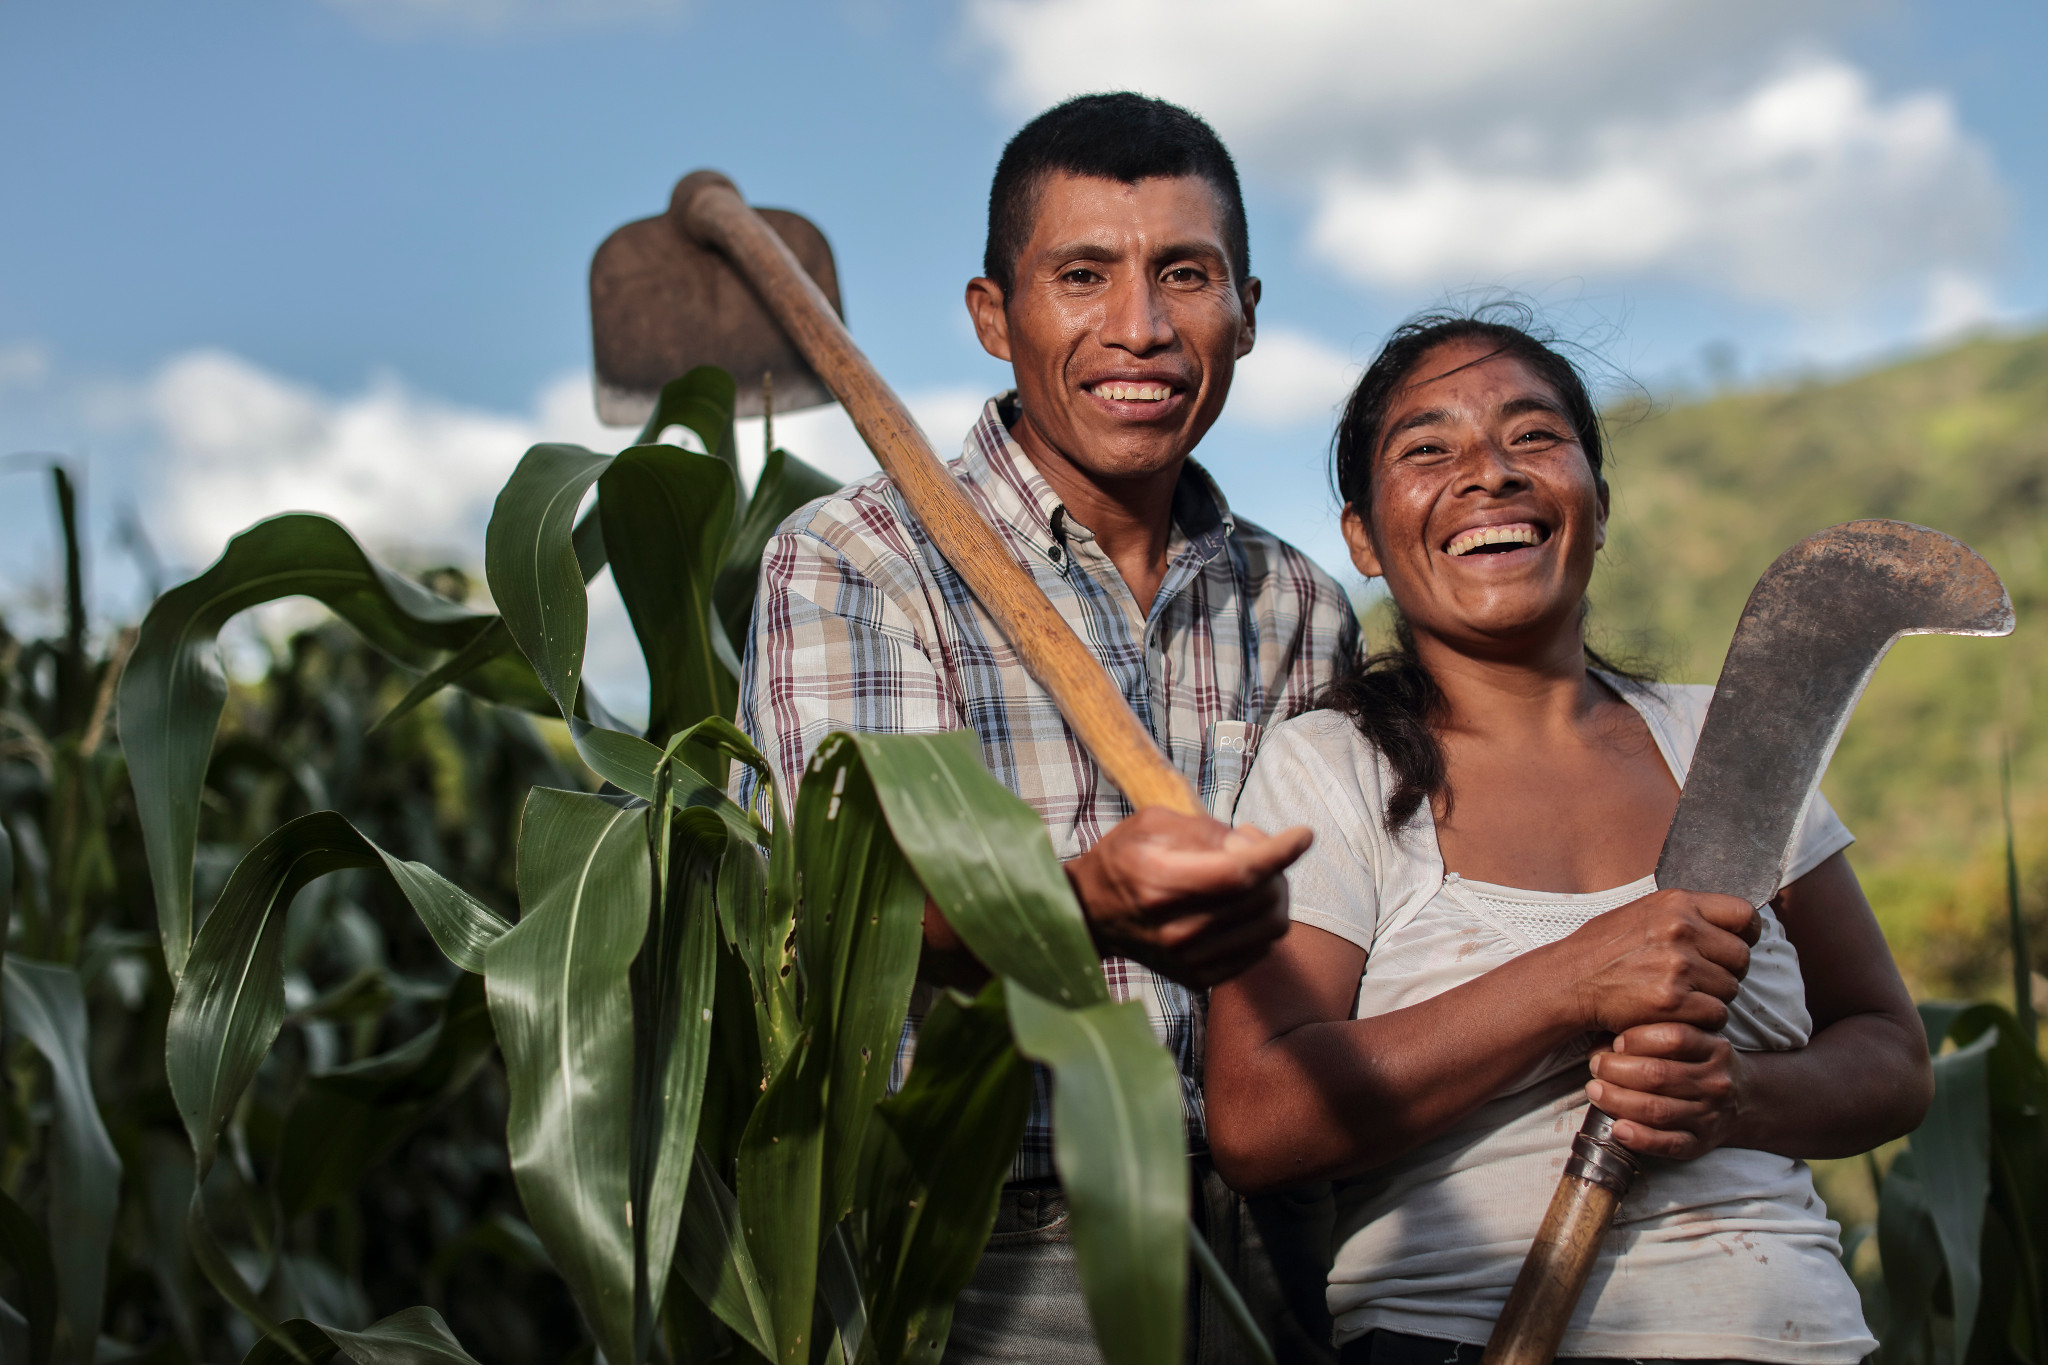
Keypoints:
pixel 408 17
pixel 411 475
pixel 414 477
pixel 1807 191
pixel 23 365
pixel 1290 377
pixel 1955 303
pixel 1716 144
pixel 405 472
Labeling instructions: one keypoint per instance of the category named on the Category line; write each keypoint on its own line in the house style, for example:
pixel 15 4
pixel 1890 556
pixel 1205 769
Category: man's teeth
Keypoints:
pixel 1134 393
pixel 1465 542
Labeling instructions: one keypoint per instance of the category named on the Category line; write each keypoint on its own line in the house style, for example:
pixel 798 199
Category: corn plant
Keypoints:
pixel 1962 1221
pixel 696 1008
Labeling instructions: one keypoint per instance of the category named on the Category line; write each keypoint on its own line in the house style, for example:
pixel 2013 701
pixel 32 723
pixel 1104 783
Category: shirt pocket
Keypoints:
pixel 1226 761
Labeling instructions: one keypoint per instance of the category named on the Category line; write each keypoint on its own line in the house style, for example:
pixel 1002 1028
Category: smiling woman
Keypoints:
pixel 1478 947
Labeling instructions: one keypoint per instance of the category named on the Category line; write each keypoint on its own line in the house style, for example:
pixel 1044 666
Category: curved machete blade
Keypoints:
pixel 1812 634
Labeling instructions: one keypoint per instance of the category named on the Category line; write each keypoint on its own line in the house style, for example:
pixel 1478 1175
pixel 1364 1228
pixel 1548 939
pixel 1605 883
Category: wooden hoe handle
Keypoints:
pixel 709 208
pixel 1596 1177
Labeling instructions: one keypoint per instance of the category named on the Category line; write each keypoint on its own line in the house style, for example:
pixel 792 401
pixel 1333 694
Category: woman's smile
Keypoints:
pixel 1501 541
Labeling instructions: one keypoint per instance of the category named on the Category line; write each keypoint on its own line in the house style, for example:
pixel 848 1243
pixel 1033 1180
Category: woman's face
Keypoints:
pixel 1485 513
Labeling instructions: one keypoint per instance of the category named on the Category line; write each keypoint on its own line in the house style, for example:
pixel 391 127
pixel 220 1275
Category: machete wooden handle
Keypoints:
pixel 708 207
pixel 1596 1177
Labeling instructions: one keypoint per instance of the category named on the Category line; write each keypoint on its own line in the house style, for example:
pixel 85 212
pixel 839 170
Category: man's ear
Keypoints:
pixel 985 303
pixel 1248 331
pixel 1364 557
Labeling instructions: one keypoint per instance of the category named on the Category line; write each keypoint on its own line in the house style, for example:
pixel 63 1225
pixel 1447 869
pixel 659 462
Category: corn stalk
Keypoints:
pixel 696 1007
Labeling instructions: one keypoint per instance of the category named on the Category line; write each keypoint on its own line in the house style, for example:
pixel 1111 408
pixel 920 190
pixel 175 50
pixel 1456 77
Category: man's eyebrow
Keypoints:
pixel 1082 251
pixel 1175 251
pixel 1102 251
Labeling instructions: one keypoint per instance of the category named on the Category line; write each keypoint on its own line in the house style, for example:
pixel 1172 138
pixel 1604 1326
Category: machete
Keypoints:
pixel 1815 628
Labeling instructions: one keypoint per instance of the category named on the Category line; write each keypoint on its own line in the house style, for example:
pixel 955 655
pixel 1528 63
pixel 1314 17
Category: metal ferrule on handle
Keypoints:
pixel 1597 1176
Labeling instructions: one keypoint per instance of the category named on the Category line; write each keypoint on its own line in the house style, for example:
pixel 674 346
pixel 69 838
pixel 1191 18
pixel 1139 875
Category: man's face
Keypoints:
pixel 1124 324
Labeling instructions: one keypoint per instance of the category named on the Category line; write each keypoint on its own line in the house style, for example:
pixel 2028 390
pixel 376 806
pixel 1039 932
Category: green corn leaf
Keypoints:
pixel 222 1273
pixel 624 760
pixel 415 1336
pixel 691 1334
pixel 1953 1159
pixel 781 1194
pixel 230 1002
pixel 1118 1143
pixel 172 690
pixel 733 1076
pixel 43 1003
pixel 765 952
pixel 672 987
pixel 932 1174
pixel 629 763
pixel 348 1120
pixel 6 888
pixel 666 514
pixel 491 665
pixel 1910 1247
pixel 23 1247
pixel 293 1340
pixel 786 483
pixel 488 649
pixel 858 938
pixel 986 859
pixel 561 1006
pixel 530 559
pixel 839 1289
pixel 713 1260
pixel 702 401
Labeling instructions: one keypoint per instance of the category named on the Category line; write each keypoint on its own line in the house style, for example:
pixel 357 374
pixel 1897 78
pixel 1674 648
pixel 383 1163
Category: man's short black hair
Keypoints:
pixel 1123 137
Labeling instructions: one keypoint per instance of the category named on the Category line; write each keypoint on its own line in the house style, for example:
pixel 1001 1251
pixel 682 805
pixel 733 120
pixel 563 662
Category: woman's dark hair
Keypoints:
pixel 1389 695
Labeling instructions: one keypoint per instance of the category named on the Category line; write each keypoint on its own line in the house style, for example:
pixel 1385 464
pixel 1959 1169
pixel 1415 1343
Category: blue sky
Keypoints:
pixel 332 253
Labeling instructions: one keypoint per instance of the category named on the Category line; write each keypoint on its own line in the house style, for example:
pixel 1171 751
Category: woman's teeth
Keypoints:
pixel 1134 393
pixel 1465 542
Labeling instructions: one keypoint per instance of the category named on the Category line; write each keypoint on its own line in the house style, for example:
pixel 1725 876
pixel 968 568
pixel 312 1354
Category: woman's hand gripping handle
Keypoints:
pixel 1671 958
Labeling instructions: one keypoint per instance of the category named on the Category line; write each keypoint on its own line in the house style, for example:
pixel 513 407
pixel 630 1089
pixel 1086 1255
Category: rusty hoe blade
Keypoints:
pixel 661 305
pixel 1812 634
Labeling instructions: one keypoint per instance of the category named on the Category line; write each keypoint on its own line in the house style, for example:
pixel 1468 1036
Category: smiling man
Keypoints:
pixel 1117 285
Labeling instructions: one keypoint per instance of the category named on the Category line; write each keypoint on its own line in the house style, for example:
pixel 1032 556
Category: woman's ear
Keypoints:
pixel 1600 522
pixel 1364 557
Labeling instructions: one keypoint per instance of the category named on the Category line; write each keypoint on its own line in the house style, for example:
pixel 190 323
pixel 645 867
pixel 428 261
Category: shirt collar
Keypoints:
pixel 992 462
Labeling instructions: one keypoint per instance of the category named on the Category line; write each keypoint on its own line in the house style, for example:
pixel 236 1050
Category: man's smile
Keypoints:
pixel 1144 397
pixel 1133 393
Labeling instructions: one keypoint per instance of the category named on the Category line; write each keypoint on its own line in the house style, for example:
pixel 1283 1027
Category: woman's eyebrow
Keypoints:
pixel 1420 419
pixel 1515 407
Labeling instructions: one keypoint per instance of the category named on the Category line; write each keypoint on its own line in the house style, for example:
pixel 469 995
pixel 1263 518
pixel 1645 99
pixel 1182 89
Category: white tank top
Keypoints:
pixel 1730 1256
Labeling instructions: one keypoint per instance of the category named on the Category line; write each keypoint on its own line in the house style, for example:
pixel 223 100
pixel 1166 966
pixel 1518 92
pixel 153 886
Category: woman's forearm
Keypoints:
pixel 1334 1098
pixel 1298 1092
pixel 1873 1068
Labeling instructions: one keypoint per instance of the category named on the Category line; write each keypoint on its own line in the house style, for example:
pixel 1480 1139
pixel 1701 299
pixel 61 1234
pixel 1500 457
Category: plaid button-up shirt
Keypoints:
pixel 860 624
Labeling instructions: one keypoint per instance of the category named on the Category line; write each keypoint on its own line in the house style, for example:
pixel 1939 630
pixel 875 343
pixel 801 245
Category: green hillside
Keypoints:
pixel 1707 493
